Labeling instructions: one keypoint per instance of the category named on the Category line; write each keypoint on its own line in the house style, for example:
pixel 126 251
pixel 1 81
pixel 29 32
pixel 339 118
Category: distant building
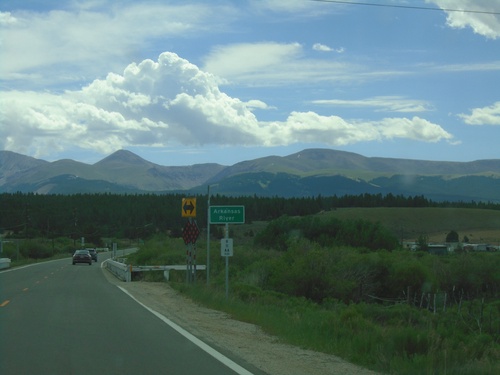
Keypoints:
pixel 437 249
pixel 476 247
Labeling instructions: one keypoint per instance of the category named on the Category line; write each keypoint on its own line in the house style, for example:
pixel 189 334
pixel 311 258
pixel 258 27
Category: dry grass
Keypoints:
pixel 479 225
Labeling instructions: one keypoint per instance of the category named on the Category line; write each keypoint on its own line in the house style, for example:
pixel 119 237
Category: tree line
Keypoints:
pixel 29 215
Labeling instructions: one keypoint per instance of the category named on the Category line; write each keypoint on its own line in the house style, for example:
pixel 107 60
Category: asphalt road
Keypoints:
pixel 59 318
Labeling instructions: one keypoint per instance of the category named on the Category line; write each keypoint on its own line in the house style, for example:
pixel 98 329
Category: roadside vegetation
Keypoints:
pixel 22 251
pixel 390 310
pixel 326 273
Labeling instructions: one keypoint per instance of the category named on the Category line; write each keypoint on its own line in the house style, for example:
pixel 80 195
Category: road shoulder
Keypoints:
pixel 245 340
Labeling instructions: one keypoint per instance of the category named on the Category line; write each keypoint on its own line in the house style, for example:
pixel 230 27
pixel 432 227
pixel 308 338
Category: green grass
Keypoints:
pixel 409 341
pixel 409 223
pixel 480 225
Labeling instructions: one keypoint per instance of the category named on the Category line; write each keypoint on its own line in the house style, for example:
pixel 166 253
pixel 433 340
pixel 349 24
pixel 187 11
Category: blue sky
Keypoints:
pixel 188 82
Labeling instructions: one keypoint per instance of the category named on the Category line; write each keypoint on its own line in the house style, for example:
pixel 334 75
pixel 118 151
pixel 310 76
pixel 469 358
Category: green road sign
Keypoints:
pixel 227 214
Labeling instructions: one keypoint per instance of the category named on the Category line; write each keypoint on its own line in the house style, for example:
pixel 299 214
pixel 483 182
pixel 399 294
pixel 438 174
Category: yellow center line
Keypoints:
pixel 5 303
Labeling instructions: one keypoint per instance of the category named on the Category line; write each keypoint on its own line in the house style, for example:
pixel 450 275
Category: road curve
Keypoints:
pixel 59 318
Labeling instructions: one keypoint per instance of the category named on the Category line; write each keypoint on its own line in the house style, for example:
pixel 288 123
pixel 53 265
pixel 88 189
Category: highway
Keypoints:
pixel 59 318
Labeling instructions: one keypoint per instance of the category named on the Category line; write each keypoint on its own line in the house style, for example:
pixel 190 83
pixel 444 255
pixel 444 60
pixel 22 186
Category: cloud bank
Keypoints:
pixel 170 102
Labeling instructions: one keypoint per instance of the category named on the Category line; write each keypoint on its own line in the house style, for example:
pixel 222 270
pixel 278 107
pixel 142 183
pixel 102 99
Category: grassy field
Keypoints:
pixel 408 223
pixel 479 225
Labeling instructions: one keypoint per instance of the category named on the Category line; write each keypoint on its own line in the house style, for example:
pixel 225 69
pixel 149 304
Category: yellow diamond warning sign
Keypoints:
pixel 188 207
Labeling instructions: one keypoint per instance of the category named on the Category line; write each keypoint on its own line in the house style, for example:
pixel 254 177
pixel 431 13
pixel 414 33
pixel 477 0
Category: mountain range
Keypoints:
pixel 311 172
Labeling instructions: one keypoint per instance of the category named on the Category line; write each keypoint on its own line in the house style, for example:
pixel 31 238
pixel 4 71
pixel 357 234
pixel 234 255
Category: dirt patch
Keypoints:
pixel 245 340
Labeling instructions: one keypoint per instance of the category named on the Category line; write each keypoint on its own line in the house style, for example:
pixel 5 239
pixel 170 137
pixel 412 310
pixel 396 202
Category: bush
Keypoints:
pixel 330 232
pixel 156 252
pixel 35 250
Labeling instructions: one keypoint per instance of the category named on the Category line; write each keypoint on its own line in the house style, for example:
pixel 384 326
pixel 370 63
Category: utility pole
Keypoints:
pixel 208 236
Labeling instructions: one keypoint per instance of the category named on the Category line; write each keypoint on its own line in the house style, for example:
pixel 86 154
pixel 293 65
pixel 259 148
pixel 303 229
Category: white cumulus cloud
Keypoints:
pixel 6 19
pixel 482 21
pixel 336 131
pixel 169 102
pixel 321 47
pixel 483 116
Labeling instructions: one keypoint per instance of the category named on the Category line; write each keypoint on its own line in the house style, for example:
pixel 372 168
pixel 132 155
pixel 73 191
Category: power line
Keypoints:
pixel 407 7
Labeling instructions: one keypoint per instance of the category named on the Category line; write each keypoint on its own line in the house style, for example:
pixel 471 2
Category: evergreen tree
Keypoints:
pixel 452 236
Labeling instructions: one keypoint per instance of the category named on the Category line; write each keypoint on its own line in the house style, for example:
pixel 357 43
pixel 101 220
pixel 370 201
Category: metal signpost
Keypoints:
pixel 208 236
pixel 190 234
pixel 226 250
pixel 226 215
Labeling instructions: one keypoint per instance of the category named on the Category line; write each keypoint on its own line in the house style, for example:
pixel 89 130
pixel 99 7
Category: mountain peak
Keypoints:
pixel 306 173
pixel 123 157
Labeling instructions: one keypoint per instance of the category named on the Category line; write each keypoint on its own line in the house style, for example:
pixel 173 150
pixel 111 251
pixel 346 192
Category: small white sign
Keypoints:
pixel 226 247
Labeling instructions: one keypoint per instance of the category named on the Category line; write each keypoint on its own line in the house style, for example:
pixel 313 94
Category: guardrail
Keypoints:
pixel 166 269
pixel 4 263
pixel 124 271
pixel 120 270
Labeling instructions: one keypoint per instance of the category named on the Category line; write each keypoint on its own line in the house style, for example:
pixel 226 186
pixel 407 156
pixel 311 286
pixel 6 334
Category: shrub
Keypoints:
pixel 330 232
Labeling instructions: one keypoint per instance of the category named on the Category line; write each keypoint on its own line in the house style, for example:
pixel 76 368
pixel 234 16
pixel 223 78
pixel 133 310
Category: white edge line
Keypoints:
pixel 31 265
pixel 208 349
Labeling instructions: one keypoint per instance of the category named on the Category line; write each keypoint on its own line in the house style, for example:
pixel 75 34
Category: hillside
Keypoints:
pixel 12 165
pixel 480 225
pixel 123 171
pixel 330 162
pixel 310 172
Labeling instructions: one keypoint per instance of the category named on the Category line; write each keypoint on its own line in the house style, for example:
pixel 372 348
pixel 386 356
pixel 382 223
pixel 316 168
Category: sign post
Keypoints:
pixel 208 236
pixel 190 234
pixel 226 250
pixel 226 215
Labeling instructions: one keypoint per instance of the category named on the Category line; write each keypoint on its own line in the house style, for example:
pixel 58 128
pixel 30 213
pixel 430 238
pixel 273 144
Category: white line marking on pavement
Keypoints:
pixel 214 353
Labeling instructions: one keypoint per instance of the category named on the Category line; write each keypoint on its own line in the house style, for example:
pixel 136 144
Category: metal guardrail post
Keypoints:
pixel 128 276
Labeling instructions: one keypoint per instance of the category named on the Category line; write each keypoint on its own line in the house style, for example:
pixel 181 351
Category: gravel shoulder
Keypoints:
pixel 244 340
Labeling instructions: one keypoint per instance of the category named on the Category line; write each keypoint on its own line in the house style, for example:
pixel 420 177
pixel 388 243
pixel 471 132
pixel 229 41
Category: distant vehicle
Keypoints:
pixel 93 254
pixel 82 256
